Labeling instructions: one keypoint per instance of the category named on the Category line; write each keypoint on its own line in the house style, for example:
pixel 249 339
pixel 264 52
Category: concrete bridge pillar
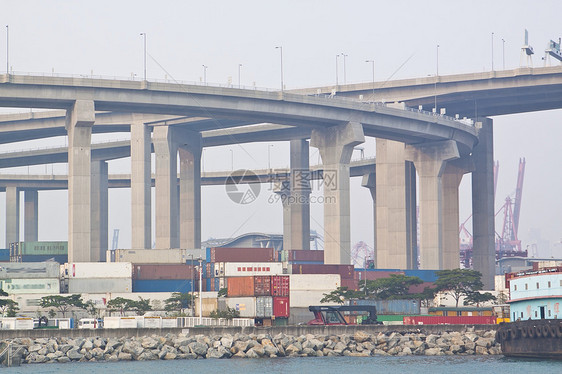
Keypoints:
pixel 369 181
pixel 483 230
pixel 167 224
pixel 336 145
pixel 283 189
pixel 79 121
pixel 299 204
pixel 99 217
pixel 396 229
pixel 430 160
pixel 452 177
pixel 12 215
pixel 31 215
pixel 190 189
pixel 141 185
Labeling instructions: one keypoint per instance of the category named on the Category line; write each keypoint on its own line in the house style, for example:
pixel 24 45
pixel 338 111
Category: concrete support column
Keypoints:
pixel 140 186
pixel 483 252
pixel 283 189
pixel 370 181
pixel 12 215
pixel 299 204
pixel 452 177
pixel 396 207
pixel 430 161
pixel 336 146
pixel 99 217
pixel 31 215
pixel 79 121
pixel 167 225
pixel 190 190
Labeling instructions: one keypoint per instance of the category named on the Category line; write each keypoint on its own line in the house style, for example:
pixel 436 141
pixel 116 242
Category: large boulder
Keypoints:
pixel 198 348
pixel 361 336
pixel 74 354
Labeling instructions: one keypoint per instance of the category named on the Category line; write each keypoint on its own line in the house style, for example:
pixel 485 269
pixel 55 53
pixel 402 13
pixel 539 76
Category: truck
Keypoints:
pixel 332 315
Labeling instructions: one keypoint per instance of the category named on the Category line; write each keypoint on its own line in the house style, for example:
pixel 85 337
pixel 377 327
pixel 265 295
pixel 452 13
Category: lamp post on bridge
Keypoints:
pixel 344 72
pixel 205 74
pixel 373 65
pixel 239 71
pixel 143 34
pixel 281 57
pixel 7 49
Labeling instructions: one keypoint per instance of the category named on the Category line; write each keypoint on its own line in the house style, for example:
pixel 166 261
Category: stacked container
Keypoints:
pixel 98 277
pixel 30 278
pixel 309 289
pixel 302 257
pixel 39 251
pixel 165 278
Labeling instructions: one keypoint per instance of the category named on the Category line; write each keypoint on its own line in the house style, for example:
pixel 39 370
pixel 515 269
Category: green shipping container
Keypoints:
pixel 43 248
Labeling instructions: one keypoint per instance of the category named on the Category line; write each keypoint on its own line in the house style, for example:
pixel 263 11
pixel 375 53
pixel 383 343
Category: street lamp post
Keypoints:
pixel 337 56
pixel 144 38
pixel 344 72
pixel 269 146
pixel 200 291
pixel 373 66
pixel 492 51
pixel 239 70
pixel 192 285
pixel 7 49
pixel 281 50
pixel 436 77
pixel 205 74
pixel 503 53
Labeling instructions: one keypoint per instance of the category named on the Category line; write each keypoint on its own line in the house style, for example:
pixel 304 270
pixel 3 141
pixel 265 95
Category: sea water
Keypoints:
pixel 316 365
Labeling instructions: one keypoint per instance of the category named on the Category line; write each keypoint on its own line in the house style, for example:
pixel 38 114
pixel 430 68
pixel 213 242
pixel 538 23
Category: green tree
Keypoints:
pixel 395 287
pixel 458 282
pixel 223 292
pixel 339 295
pixel 7 305
pixel 92 310
pixel 178 302
pixel 141 306
pixel 426 296
pixel 476 298
pixel 62 303
pixel 121 305
pixel 52 313
pixel 12 309
pixel 229 313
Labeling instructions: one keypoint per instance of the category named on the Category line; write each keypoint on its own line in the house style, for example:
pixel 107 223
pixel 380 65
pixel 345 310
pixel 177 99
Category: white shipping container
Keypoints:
pixel 240 269
pixel 264 306
pixel 500 283
pixel 245 305
pixel 119 323
pixel 305 282
pixel 28 270
pixel 99 270
pixel 31 286
pixel 304 299
pixel 100 285
pixel 153 256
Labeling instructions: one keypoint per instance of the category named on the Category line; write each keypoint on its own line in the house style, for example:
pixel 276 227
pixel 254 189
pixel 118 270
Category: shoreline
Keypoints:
pixel 183 345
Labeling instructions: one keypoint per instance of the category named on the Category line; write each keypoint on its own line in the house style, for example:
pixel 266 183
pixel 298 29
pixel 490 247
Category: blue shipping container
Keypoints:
pixel 424 275
pixel 208 254
pixel 407 306
pixel 161 285
pixel 208 282
pixel 4 255
pixel 217 284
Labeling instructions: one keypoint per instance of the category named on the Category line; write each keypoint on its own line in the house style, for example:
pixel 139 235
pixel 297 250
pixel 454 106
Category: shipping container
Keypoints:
pixel 237 269
pixel 396 307
pixel 450 320
pixel 165 271
pixel 306 255
pixel 249 286
pixel 209 305
pixel 345 271
pixel 361 274
pixel 41 248
pixel 17 323
pixel 13 270
pixel 304 299
pixel 281 307
pixel 152 256
pixel 99 285
pixel 4 255
pixel 351 284
pixel 264 306
pixel 245 305
pixel 61 259
pixel 163 285
pixel 31 286
pixel 305 282
pixel 424 275
pixel 208 282
pixel 101 270
pixel 279 321
pixel 242 255
pixel 120 323
pixel 280 285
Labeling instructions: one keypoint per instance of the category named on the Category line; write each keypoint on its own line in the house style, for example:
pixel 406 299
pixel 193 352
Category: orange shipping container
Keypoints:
pixel 258 285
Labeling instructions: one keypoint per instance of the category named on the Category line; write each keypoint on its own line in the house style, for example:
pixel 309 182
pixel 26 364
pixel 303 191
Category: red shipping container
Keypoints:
pixel 351 284
pixel 164 271
pixel 259 285
pixel 450 320
pixel 345 271
pixel 280 285
pixel 262 285
pixel 306 255
pixel 281 306
pixel 242 254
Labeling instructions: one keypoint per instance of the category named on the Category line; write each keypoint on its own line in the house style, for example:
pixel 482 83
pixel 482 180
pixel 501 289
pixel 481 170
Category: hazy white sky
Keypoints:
pixel 103 38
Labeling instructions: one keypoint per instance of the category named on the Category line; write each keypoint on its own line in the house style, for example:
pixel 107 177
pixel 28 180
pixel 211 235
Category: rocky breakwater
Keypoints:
pixel 173 347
